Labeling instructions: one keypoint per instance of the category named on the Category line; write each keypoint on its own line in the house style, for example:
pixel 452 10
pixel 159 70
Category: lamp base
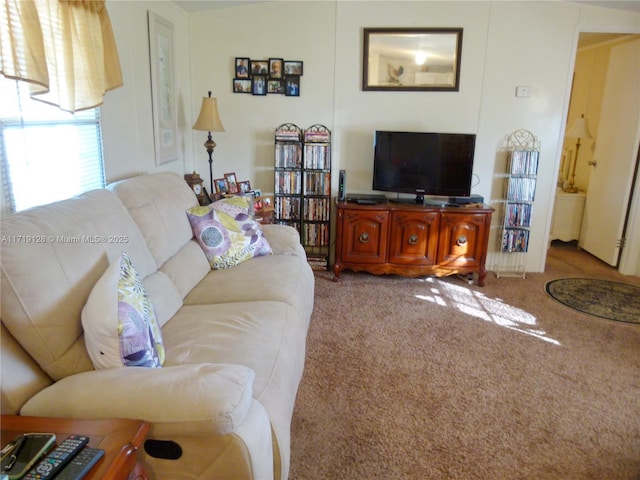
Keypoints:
pixel 570 189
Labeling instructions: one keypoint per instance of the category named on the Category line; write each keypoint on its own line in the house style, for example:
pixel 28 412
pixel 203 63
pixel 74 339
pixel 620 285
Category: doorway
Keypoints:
pixel 602 160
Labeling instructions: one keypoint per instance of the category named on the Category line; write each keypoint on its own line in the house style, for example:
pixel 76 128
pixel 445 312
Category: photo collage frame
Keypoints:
pixel 272 76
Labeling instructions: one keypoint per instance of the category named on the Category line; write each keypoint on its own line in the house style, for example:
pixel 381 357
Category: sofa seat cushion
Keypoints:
pixel 284 278
pixel 267 337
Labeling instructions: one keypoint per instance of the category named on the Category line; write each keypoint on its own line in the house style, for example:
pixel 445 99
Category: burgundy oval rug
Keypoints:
pixel 601 298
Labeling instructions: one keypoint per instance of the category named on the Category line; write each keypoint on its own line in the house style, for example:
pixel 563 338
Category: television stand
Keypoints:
pixel 412 240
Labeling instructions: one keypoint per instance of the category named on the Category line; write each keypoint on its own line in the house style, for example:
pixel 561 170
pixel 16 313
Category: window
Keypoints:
pixel 46 154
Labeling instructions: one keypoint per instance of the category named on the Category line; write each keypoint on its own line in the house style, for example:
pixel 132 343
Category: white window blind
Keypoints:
pixel 47 154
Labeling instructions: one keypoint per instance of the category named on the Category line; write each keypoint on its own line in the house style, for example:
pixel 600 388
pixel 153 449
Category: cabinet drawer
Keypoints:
pixel 364 236
pixel 414 238
pixel 462 239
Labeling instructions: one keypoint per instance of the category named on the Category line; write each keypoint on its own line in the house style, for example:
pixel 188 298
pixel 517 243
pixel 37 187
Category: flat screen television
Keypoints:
pixel 423 163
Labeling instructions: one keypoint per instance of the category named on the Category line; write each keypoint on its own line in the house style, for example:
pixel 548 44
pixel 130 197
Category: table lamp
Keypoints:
pixel 209 121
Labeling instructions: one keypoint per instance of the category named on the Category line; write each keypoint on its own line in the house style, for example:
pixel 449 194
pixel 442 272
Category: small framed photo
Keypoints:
pixel 232 183
pixel 221 185
pixel 241 85
pixel 276 68
pixel 259 85
pixel 275 86
pixel 242 67
pixel 292 86
pixel 259 67
pixel 292 67
pixel 244 186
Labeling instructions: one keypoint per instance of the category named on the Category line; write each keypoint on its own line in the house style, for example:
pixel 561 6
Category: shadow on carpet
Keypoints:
pixel 601 298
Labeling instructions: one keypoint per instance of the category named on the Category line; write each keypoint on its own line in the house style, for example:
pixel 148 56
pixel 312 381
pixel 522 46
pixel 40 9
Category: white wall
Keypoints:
pixel 537 56
pixel 290 30
pixel 358 113
pixel 127 124
pixel 505 44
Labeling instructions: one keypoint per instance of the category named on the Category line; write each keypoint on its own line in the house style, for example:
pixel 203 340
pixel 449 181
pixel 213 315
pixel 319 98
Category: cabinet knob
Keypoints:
pixel 461 240
pixel 413 239
pixel 364 238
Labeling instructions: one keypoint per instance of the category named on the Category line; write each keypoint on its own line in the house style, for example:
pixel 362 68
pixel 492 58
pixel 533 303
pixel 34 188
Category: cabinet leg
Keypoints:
pixel 336 272
pixel 481 276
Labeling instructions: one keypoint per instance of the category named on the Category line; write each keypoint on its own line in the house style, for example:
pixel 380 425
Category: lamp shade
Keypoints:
pixel 209 119
pixel 579 129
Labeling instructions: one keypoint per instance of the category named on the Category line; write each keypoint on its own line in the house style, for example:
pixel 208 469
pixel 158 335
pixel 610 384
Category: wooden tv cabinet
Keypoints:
pixel 412 240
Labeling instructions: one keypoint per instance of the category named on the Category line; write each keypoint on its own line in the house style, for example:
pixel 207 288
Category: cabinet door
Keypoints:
pixel 414 238
pixel 462 239
pixel 364 236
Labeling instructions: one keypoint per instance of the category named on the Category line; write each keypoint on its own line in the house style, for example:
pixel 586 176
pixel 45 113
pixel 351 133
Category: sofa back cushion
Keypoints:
pixel 158 203
pixel 51 258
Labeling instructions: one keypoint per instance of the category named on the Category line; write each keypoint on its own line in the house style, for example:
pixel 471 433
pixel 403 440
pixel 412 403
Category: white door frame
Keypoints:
pixel 630 257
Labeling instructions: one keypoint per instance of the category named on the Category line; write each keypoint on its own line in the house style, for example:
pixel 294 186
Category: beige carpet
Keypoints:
pixel 433 378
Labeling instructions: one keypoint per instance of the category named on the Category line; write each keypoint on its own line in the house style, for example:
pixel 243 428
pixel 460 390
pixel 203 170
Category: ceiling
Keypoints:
pixel 200 5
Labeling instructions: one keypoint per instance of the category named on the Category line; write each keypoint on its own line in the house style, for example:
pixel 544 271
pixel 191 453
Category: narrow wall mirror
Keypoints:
pixel 411 59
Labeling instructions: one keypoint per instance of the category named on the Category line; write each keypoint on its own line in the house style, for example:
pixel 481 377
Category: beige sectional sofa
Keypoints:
pixel 234 338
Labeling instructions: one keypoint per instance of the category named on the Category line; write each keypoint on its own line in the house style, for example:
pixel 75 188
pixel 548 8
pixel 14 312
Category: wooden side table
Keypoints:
pixel 119 438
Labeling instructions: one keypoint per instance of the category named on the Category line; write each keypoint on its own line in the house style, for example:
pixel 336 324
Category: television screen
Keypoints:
pixel 438 164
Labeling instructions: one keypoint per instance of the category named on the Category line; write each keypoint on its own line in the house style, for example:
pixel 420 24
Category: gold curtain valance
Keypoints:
pixel 65 50
pixel 93 5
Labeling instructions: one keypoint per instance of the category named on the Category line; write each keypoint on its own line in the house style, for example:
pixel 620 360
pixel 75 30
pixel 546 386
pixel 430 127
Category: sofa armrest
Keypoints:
pixel 197 399
pixel 283 239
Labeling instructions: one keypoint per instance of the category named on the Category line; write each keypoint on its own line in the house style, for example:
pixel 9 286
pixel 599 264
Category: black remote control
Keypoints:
pixel 81 464
pixel 57 458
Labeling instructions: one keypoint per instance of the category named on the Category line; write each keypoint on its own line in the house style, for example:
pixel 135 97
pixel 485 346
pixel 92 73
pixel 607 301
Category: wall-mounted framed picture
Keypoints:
pixel 242 67
pixel 163 91
pixel 221 185
pixel 259 67
pixel 293 67
pixel 411 59
pixel 241 85
pixel 275 86
pixel 276 67
pixel 259 85
pixel 232 182
pixel 273 76
pixel 292 85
